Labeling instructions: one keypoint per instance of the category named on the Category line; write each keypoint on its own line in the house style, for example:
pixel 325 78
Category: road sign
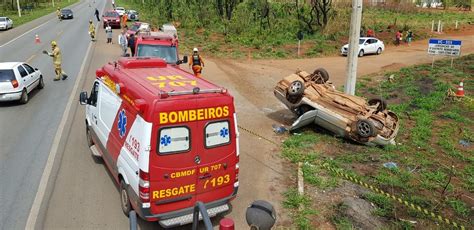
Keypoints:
pixel 444 47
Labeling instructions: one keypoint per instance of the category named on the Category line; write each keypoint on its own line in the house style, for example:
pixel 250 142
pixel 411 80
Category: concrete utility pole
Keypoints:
pixel 18 6
pixel 352 56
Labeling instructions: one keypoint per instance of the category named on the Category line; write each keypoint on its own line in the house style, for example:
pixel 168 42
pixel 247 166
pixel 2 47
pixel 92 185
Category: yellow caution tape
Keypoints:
pixel 373 188
pixel 393 197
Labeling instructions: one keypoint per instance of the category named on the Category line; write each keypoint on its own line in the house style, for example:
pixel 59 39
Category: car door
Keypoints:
pixel 24 80
pixel 33 76
pixel 91 111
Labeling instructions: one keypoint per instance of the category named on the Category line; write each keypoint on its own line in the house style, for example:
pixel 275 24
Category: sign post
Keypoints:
pixel 440 47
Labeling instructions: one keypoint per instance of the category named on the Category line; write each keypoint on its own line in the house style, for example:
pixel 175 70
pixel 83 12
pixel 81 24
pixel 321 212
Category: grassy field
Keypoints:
pixel 243 36
pixel 38 11
pixel 434 152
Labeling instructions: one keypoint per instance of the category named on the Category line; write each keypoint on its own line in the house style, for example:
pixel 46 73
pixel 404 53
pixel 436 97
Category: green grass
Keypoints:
pixel 300 207
pixel 427 145
pixel 40 10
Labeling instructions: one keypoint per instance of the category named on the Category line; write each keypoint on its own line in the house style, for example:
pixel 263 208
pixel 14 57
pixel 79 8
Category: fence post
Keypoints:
pixel 432 25
pixel 456 24
pixel 439 26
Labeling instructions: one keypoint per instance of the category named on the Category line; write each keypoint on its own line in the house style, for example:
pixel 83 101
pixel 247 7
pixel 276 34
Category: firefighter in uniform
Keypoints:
pixel 196 63
pixel 56 54
pixel 58 13
pixel 91 30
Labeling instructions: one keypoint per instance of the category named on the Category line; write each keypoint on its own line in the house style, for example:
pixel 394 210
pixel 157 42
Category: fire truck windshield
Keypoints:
pixel 168 53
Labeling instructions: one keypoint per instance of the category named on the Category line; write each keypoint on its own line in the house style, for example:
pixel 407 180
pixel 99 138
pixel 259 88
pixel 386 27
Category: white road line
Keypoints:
pixel 34 211
pixel 24 34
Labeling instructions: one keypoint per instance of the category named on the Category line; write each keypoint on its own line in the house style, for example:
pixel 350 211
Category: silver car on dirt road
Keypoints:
pixel 315 100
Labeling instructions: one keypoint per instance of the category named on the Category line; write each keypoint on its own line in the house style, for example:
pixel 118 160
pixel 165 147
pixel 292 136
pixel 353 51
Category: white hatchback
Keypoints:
pixel 5 23
pixel 120 10
pixel 367 45
pixel 17 80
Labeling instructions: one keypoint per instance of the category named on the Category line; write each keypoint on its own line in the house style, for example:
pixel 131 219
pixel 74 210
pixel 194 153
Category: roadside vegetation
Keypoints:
pixel 268 29
pixel 433 156
pixel 31 10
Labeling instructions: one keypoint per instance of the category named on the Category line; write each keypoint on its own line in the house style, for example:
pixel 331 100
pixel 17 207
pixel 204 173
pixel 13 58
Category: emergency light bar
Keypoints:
pixel 196 90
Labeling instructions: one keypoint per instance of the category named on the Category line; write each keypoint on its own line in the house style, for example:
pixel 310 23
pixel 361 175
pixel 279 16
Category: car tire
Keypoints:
pixel 90 142
pixel 323 73
pixel 382 104
pixel 124 198
pixel 365 128
pixel 41 83
pixel 361 53
pixel 379 51
pixel 24 97
pixel 296 88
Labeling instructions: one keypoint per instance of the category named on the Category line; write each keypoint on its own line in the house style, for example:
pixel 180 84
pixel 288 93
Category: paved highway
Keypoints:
pixel 27 131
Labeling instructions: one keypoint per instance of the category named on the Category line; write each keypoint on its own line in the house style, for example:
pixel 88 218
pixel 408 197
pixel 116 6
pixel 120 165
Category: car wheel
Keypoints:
pixel 24 97
pixel 41 83
pixel 320 76
pixel 124 198
pixel 379 51
pixel 90 142
pixel 361 53
pixel 382 104
pixel 365 128
pixel 296 88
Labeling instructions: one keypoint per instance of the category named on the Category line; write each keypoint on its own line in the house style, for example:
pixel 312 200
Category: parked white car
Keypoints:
pixel 5 23
pixel 367 45
pixel 17 80
pixel 133 15
pixel 120 10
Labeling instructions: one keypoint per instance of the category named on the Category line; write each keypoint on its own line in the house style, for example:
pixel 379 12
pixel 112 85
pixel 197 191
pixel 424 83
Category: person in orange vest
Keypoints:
pixel 124 20
pixel 196 63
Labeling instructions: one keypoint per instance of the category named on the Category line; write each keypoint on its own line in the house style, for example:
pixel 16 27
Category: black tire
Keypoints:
pixel 382 104
pixel 365 128
pixel 90 142
pixel 361 53
pixel 324 75
pixel 24 97
pixel 124 199
pixel 379 51
pixel 41 83
pixel 296 88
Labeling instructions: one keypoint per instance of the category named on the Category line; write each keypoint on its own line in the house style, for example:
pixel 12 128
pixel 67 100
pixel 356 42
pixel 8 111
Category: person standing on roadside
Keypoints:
pixel 131 44
pixel 92 30
pixel 123 43
pixel 409 37
pixel 108 31
pixel 56 54
pixel 124 20
pixel 370 33
pixel 398 36
pixel 113 4
pixel 58 13
pixel 196 63
pixel 96 13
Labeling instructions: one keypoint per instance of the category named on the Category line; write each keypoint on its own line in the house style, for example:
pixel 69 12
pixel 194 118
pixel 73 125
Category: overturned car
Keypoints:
pixel 315 100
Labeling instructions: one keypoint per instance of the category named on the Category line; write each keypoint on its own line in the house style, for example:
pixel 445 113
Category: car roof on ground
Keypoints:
pixel 9 65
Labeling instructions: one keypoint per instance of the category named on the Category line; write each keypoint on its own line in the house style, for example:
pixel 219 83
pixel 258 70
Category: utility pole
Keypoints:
pixel 352 56
pixel 52 2
pixel 18 6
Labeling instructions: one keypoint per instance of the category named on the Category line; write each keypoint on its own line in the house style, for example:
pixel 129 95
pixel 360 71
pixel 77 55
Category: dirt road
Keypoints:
pixel 85 197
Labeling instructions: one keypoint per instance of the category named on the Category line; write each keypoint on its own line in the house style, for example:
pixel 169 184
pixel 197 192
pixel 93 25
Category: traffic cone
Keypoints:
pixel 37 39
pixel 460 91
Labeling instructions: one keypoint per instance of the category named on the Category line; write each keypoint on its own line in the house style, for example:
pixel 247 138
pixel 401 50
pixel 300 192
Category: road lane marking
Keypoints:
pixel 60 32
pixel 24 34
pixel 35 208
pixel 30 58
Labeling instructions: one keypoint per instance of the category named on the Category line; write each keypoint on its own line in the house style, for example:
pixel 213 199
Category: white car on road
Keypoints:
pixel 367 45
pixel 120 10
pixel 5 23
pixel 17 80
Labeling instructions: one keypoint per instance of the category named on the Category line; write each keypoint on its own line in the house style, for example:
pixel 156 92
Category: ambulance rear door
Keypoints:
pixel 173 167
pixel 217 150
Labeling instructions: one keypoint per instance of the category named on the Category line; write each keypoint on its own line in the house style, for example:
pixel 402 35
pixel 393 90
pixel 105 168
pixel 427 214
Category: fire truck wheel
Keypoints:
pixel 124 198
pixel 89 137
